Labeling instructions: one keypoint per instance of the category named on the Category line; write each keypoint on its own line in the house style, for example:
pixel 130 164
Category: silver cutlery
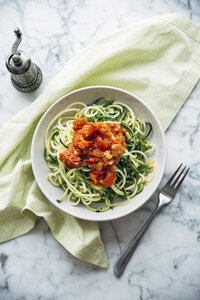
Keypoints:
pixel 166 195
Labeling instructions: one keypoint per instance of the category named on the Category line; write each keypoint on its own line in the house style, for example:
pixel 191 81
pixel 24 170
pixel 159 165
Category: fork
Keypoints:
pixel 166 195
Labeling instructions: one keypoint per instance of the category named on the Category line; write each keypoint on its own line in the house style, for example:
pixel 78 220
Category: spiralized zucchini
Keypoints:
pixel 132 169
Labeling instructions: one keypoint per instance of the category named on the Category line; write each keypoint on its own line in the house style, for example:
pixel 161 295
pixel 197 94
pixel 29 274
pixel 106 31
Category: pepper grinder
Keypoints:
pixel 25 75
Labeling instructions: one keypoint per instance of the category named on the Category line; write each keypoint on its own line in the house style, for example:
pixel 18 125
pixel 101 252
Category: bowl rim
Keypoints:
pixel 88 88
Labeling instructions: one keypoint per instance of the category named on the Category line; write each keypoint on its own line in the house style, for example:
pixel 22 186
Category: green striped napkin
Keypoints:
pixel 157 60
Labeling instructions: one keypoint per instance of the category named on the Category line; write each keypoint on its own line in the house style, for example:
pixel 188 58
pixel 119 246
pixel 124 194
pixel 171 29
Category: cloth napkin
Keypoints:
pixel 157 60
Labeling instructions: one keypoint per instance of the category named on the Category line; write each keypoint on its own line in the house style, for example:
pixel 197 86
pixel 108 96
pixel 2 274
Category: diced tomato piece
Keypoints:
pixel 98 173
pixel 115 127
pixel 84 144
pixel 95 133
pixel 80 123
pixel 63 157
pixel 94 179
pixel 87 132
pixel 101 144
pixel 96 152
pixel 95 175
pixel 77 139
pixel 99 166
pixel 70 159
pixel 108 180
pixel 90 161
pixel 90 144
pixel 101 127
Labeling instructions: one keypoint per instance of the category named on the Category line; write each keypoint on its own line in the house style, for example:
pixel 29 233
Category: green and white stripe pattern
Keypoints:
pixel 132 169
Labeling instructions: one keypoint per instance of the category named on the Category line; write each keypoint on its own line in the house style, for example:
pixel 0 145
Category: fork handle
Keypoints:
pixel 126 254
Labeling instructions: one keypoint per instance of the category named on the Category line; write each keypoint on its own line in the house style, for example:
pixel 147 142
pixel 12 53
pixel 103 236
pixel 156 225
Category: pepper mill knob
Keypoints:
pixel 26 76
pixel 16 59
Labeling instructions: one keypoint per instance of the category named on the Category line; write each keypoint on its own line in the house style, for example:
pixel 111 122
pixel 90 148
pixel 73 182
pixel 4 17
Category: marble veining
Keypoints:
pixel 166 264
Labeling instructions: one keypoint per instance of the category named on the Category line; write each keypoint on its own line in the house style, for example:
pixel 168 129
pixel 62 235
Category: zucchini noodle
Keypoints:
pixel 133 166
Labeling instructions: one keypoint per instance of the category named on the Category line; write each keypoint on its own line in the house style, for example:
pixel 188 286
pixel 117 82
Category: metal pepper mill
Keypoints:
pixel 25 75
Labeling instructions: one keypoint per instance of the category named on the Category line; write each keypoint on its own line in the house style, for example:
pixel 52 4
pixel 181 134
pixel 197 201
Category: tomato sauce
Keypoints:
pixel 97 146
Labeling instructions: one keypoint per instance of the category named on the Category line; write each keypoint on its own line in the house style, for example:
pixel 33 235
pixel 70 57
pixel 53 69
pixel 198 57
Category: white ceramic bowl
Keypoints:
pixel 87 95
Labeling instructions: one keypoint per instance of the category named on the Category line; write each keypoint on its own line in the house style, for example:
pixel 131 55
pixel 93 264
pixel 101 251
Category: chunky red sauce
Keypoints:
pixel 98 146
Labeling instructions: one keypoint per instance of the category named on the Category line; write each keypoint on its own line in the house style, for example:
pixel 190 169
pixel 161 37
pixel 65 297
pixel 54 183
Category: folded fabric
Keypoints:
pixel 157 60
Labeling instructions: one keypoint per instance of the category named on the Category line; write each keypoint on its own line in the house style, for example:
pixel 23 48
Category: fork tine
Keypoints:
pixel 178 186
pixel 171 178
pixel 176 179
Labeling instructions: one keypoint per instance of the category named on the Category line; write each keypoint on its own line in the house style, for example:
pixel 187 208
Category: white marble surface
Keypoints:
pixel 166 265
